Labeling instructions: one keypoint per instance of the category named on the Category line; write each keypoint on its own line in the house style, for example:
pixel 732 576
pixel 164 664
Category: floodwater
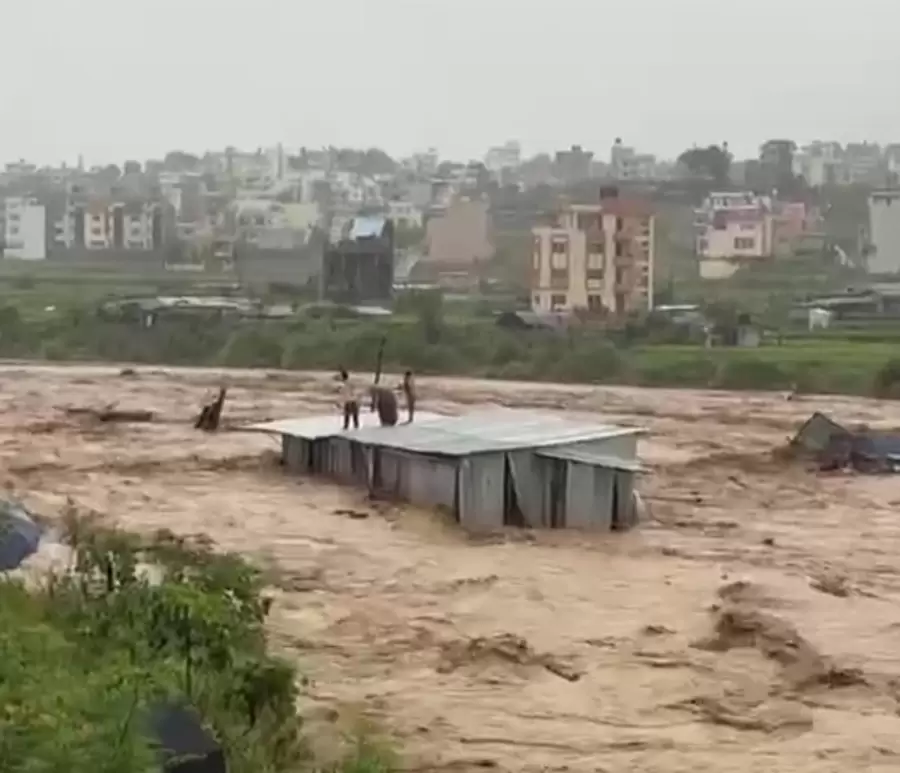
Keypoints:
pixel 751 623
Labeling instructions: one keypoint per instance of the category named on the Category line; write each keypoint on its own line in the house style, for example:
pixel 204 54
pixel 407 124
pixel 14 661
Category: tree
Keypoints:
pixel 712 163
pixel 179 161
pixel 376 161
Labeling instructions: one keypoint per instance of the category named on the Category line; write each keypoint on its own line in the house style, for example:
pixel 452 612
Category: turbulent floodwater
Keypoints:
pixel 750 625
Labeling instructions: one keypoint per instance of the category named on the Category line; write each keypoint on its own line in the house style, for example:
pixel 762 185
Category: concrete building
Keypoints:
pixel 819 163
pixel 487 470
pixel 884 232
pixel 405 214
pixel 573 165
pixel 100 224
pixel 359 267
pixel 733 227
pixel 461 235
pixel 25 228
pixel 503 157
pixel 595 257
pixel 625 163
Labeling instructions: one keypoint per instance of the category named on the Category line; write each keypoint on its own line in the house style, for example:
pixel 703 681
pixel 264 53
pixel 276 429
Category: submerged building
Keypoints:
pixel 488 469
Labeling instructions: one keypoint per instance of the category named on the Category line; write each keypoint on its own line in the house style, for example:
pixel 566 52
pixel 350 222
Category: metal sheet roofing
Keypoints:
pixel 367 227
pixel 585 456
pixel 325 425
pixel 501 429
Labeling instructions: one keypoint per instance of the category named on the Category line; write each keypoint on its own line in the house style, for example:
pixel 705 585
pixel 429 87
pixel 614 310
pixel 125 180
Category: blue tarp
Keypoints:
pixel 19 535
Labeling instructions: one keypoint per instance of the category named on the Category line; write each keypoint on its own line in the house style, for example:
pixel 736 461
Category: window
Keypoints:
pixel 596 260
pixel 702 245
pixel 741 243
pixel 559 258
pixel 596 250
pixel 557 302
pixel 536 301
pixel 595 303
pixel 620 250
pixel 620 276
pixel 620 224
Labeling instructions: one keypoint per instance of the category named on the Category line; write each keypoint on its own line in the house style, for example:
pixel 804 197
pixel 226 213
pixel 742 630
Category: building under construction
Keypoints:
pixel 488 469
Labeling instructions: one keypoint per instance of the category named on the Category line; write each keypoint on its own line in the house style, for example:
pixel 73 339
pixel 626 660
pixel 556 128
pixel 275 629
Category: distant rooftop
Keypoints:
pixel 367 227
pixel 501 429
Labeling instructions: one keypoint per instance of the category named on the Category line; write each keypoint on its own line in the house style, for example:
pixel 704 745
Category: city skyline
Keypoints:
pixel 404 76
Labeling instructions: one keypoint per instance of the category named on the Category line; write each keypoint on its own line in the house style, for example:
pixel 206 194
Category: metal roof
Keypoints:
pixel 325 425
pixel 575 453
pixel 501 429
pixel 367 227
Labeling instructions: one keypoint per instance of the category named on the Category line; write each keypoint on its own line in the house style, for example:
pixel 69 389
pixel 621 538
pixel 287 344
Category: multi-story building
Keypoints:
pixel 405 214
pixel 573 165
pixel 101 224
pixel 884 232
pixel 864 164
pixel 359 266
pixel 731 228
pixel 819 163
pixel 625 163
pixel 25 229
pixel 503 157
pixel 595 257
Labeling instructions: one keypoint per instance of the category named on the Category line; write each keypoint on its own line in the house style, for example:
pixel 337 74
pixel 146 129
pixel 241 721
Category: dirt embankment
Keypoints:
pixel 561 652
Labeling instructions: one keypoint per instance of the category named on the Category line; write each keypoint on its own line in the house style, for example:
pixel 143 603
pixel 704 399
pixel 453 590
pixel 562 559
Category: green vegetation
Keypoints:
pixel 85 654
pixel 433 337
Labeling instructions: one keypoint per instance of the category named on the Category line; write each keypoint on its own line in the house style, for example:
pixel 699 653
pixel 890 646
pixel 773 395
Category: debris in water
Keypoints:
pixel 503 647
pixel 804 667
pixel 211 413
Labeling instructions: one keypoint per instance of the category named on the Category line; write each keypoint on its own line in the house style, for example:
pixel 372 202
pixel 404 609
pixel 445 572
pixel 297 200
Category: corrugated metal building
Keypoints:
pixel 489 469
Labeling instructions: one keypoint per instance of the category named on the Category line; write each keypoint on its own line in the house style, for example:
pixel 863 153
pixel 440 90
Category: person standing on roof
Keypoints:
pixel 384 402
pixel 409 390
pixel 349 401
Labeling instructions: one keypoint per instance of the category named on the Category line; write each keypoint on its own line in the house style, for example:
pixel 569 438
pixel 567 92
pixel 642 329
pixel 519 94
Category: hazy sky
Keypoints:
pixel 117 79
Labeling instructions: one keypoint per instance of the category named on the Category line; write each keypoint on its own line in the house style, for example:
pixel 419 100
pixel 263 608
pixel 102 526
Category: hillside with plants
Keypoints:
pixel 131 623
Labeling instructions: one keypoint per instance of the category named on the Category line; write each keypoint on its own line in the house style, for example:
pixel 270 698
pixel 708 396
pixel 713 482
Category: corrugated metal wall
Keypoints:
pixel 481 491
pixel 295 453
pixel 588 497
pixel 599 498
pixel 426 481
pixel 530 476
pixel 474 487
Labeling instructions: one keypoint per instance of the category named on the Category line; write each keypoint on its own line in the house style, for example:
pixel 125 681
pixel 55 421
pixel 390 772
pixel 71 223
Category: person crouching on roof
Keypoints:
pixel 349 401
pixel 384 402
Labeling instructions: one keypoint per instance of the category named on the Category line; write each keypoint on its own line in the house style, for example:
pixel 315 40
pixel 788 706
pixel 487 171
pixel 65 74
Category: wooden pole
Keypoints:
pixel 379 359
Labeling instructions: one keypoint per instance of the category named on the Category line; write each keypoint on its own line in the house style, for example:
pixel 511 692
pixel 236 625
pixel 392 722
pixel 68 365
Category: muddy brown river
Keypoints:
pixel 751 624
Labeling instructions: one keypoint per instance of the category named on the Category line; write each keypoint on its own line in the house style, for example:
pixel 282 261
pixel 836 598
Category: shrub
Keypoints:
pixel 751 373
pixel 85 655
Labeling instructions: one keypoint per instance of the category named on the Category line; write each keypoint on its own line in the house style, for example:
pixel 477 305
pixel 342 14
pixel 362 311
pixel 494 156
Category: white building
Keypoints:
pixel 25 233
pixel 405 214
pixel 819 163
pixel 625 163
pixel 503 157
pixel 884 232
